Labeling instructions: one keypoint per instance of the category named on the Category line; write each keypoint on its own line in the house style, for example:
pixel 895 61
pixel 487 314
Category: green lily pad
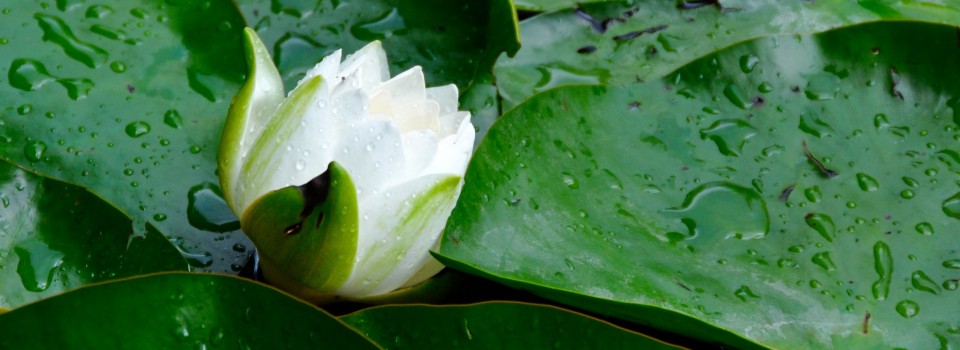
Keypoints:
pixel 551 5
pixel 55 237
pixel 808 200
pixel 128 100
pixel 454 42
pixel 494 325
pixel 172 311
pixel 623 42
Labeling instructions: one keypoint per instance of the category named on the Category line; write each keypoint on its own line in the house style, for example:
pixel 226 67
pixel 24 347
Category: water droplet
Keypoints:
pixel 867 183
pixel 98 11
pixel 952 264
pixel 34 151
pixel 745 216
pixel 730 135
pixel 159 217
pixel 570 181
pixel 24 109
pixel 822 87
pixel 551 77
pixel 883 263
pixel 56 30
pixel 815 126
pixel 301 163
pixel 239 248
pixel 118 67
pixel 823 260
pixel 30 75
pixel 687 92
pixel 823 224
pixel 907 194
pixel 924 228
pixel 786 263
pixel 206 209
pixel 195 149
pixel 951 284
pixel 813 194
pixel 908 308
pixel 745 293
pixel 922 282
pixel 182 332
pixel 200 83
pixel 765 87
pixel 733 93
pixel 951 206
pixel 748 63
pixel 37 264
pixel 137 129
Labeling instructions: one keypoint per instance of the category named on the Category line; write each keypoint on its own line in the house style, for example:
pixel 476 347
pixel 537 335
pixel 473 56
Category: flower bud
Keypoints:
pixel 345 184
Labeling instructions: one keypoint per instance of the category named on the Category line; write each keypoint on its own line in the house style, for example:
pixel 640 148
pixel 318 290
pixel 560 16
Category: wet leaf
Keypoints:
pixel 495 325
pixel 550 5
pixel 675 203
pixel 56 237
pixel 551 55
pixel 176 310
pixel 127 100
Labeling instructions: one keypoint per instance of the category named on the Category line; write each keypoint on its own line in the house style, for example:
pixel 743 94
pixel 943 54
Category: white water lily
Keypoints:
pixel 392 153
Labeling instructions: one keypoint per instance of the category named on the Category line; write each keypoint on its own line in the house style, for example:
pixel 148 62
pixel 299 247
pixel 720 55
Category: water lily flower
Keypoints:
pixel 344 184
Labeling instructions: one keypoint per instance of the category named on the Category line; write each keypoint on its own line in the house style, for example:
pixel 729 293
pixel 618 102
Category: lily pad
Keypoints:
pixel 494 325
pixel 128 100
pixel 808 200
pixel 551 5
pixel 176 310
pixel 55 237
pixel 624 42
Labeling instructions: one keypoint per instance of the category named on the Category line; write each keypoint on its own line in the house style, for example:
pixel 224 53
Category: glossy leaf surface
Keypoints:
pixel 495 325
pixel 795 192
pixel 623 42
pixel 172 311
pixel 128 100
pixel 550 5
pixel 55 237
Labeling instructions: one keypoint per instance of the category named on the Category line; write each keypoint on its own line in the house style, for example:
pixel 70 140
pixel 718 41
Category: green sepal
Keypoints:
pixel 250 111
pixel 307 235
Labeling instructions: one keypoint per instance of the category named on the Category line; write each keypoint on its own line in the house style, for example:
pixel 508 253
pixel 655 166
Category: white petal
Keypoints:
pixel 381 103
pixel 416 115
pixel 408 85
pixel 397 229
pixel 327 68
pixel 450 123
pixel 367 67
pixel 446 96
pixel 288 152
pixel 430 267
pixel 453 152
pixel 370 152
pixel 419 149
